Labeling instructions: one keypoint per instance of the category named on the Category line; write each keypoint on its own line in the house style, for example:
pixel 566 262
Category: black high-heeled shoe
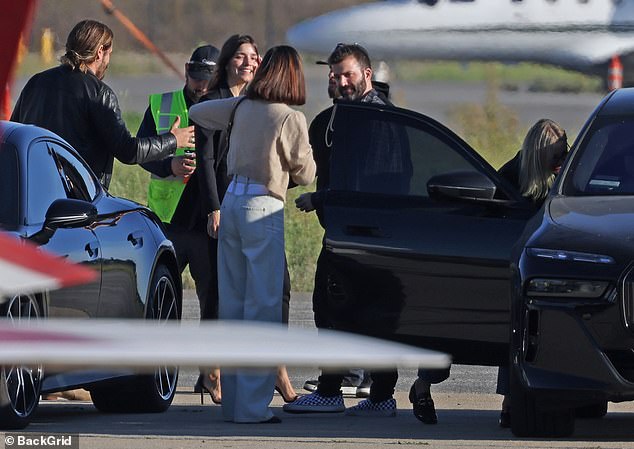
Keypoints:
pixel 205 385
pixel 287 400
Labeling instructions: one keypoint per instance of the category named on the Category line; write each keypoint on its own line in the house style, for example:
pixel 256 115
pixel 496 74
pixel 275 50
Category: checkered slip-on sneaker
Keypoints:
pixel 369 408
pixel 315 403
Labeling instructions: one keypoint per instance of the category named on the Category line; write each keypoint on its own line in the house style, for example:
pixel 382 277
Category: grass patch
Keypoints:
pixel 530 76
pixel 303 235
pixel 490 128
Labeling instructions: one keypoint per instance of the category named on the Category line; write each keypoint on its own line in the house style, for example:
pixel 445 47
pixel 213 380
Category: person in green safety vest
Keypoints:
pixel 170 176
pixel 174 192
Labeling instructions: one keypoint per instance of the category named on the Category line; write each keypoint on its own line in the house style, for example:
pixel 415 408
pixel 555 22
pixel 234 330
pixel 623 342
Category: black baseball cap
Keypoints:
pixel 202 63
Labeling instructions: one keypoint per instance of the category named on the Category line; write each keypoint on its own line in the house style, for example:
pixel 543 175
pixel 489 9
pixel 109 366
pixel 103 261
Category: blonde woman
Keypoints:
pixel 268 146
pixel 535 166
pixel 533 171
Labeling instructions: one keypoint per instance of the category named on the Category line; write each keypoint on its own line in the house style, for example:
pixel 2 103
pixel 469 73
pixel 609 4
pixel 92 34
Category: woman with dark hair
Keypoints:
pixel 235 68
pixel 268 145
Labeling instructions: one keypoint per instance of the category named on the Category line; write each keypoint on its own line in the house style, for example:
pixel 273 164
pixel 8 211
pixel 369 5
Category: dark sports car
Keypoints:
pixel 427 244
pixel 51 197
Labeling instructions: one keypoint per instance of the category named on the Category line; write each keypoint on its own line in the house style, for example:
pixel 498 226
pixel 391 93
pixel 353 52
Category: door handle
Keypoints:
pixel 92 249
pixel 136 239
pixel 364 231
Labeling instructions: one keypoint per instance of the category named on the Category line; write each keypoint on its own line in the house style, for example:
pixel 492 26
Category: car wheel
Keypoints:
pixel 598 410
pixel 149 393
pixel 20 386
pixel 528 420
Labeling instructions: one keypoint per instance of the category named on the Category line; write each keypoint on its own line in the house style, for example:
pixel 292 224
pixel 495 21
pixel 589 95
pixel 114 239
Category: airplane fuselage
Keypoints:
pixel 569 33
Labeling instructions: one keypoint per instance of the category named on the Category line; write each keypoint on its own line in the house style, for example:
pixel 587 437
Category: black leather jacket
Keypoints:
pixel 85 112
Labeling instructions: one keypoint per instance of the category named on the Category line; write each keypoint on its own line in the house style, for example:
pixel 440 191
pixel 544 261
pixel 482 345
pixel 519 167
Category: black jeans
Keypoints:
pixel 198 250
pixel 383 384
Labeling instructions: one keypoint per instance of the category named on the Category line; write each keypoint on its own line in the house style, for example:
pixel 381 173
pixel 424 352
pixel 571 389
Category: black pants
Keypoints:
pixel 198 250
pixel 383 384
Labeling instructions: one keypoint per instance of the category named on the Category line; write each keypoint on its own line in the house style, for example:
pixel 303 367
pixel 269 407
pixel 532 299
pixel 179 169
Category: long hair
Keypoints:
pixel 83 44
pixel 536 175
pixel 280 78
pixel 229 48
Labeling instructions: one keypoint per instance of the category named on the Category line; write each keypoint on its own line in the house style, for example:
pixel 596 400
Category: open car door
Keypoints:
pixel 419 232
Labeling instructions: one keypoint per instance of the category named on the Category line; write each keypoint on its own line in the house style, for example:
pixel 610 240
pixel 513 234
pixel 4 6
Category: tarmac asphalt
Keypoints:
pixel 467 413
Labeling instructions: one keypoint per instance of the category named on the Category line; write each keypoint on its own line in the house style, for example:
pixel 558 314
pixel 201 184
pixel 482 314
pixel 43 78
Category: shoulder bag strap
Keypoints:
pixel 230 124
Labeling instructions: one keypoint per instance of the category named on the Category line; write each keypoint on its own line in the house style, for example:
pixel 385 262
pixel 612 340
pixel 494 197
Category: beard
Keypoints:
pixel 354 92
pixel 196 94
pixel 100 72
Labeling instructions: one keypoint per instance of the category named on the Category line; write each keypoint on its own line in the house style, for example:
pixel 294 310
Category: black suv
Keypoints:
pixel 429 245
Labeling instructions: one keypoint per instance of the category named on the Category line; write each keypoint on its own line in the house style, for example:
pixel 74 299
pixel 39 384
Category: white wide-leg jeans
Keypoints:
pixel 250 281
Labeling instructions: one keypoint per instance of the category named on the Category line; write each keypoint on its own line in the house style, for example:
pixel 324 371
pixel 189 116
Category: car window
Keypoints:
pixel 44 183
pixel 604 162
pixel 9 187
pixel 376 151
pixel 79 182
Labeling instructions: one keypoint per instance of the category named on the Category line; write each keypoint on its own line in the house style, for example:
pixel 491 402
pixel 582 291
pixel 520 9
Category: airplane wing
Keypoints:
pixel 146 344
pixel 26 269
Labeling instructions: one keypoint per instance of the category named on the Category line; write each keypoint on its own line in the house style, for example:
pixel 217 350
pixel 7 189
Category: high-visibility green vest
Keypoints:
pixel 165 193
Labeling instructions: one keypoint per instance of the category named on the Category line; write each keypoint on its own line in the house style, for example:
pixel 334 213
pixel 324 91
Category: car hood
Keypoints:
pixel 607 222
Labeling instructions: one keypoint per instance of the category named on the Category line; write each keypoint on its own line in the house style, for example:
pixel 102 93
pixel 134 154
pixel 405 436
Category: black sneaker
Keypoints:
pixel 423 406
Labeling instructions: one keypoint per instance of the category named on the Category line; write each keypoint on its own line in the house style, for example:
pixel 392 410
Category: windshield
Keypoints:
pixel 8 187
pixel 604 163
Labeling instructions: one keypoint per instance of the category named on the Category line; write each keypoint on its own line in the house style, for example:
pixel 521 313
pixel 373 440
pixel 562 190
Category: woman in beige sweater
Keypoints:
pixel 268 145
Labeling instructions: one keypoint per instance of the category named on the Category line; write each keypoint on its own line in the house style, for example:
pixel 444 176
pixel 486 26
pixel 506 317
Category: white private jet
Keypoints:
pixel 589 36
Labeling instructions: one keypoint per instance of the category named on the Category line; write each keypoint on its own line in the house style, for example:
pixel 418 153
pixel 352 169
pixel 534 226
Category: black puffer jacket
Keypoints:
pixel 85 112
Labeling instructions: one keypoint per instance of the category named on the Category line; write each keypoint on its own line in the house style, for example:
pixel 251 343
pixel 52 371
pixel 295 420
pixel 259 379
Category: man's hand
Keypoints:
pixel 184 136
pixel 304 202
pixel 183 165
pixel 213 223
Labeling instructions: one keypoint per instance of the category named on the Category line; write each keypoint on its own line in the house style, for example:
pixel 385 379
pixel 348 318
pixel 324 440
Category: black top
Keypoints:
pixel 211 158
pixel 511 170
pixel 321 150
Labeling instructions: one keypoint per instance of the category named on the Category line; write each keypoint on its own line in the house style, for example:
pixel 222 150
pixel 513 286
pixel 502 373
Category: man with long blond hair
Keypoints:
pixel 72 101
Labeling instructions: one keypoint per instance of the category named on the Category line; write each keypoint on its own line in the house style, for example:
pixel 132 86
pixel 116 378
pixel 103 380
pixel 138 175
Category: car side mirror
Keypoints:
pixel 69 213
pixel 65 213
pixel 461 185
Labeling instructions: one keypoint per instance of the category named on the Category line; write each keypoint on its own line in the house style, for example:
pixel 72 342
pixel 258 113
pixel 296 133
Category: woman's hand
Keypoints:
pixel 213 223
